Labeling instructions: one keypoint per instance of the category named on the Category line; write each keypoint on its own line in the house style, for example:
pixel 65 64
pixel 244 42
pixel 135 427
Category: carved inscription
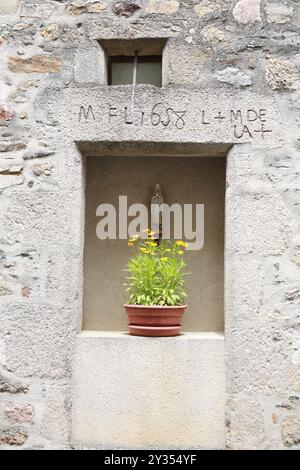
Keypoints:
pixel 248 123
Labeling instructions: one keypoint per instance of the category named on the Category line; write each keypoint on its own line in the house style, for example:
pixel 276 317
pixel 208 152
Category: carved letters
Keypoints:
pixel 249 122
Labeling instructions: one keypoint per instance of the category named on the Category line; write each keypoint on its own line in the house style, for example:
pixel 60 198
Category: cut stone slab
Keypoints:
pixel 140 393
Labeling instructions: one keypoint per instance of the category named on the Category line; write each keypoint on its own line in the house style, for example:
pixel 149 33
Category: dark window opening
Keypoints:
pixel 121 70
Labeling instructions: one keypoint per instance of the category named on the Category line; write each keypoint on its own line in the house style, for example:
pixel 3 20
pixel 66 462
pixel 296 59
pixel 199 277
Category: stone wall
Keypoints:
pixel 50 52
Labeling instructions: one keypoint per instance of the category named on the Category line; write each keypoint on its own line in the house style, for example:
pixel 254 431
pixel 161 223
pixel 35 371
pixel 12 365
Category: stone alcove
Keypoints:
pixel 195 174
pixel 187 372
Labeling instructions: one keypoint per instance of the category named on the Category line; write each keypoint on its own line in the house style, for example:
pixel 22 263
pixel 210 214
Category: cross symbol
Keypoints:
pixel 219 117
pixel 262 130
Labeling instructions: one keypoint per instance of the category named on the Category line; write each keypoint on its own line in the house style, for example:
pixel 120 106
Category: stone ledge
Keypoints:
pixel 189 335
pixel 148 393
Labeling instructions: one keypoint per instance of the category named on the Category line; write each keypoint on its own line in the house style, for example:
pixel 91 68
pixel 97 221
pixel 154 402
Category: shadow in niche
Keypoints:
pixel 152 149
pixel 132 169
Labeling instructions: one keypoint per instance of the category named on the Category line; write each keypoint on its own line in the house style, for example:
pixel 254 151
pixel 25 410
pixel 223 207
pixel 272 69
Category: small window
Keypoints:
pixel 134 61
pixel 148 70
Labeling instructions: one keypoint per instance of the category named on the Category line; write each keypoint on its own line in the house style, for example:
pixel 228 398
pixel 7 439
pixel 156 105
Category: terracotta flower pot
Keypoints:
pixel 154 320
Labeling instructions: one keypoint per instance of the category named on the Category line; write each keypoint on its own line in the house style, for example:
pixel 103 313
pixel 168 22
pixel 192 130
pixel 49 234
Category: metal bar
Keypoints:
pixel 135 64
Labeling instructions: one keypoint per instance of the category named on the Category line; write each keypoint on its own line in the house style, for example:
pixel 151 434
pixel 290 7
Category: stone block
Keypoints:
pixel 245 424
pixel 247 11
pixel 79 7
pixel 278 13
pixel 249 216
pixel 90 66
pixel 233 76
pixel 260 359
pixel 206 8
pixel 290 431
pixel 37 9
pixel 55 422
pixel 282 74
pixel 8 7
pixel 39 218
pixel 19 413
pixel 244 290
pixel 167 7
pixel 51 32
pixel 11 384
pixel 35 64
pixel 44 347
pixel 143 393
pixel 127 8
pixel 15 436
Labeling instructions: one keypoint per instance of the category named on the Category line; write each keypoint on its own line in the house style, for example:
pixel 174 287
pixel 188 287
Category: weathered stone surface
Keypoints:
pixel 244 297
pixel 10 384
pixel 42 169
pixel 8 7
pixel 58 278
pixel 5 288
pixel 126 8
pixel 205 8
pixel 186 66
pixel 7 145
pixel 278 13
pixel 42 217
pixel 37 10
pixel 290 431
pixel 38 64
pixel 269 238
pixel 230 75
pixel 7 180
pixel 5 114
pixel 13 436
pixel 247 11
pixel 187 359
pixel 25 292
pixel 167 7
pixel 55 423
pixel 282 74
pixel 89 67
pixel 42 153
pixel 81 6
pixel 245 424
pixel 82 119
pixel 213 34
pixel 51 32
pixel 233 76
pixel 265 354
pixel 23 27
pixel 19 413
pixel 46 342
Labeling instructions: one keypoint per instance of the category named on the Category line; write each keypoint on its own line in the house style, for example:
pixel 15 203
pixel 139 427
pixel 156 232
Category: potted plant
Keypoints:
pixel 155 286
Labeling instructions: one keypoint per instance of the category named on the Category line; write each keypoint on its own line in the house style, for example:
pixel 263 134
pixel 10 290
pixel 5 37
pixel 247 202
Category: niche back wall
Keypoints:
pixel 183 180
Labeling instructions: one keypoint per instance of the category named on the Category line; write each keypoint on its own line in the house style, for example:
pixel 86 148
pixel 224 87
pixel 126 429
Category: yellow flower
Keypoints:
pixel 180 252
pixel 143 250
pixel 132 240
pixel 164 258
pixel 151 233
pixel 149 243
pixel 181 243
pixel 168 250
pixel 146 230
pixel 130 243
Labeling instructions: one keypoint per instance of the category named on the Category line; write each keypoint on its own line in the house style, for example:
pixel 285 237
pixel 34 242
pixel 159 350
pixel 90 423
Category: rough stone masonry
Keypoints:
pixel 220 52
